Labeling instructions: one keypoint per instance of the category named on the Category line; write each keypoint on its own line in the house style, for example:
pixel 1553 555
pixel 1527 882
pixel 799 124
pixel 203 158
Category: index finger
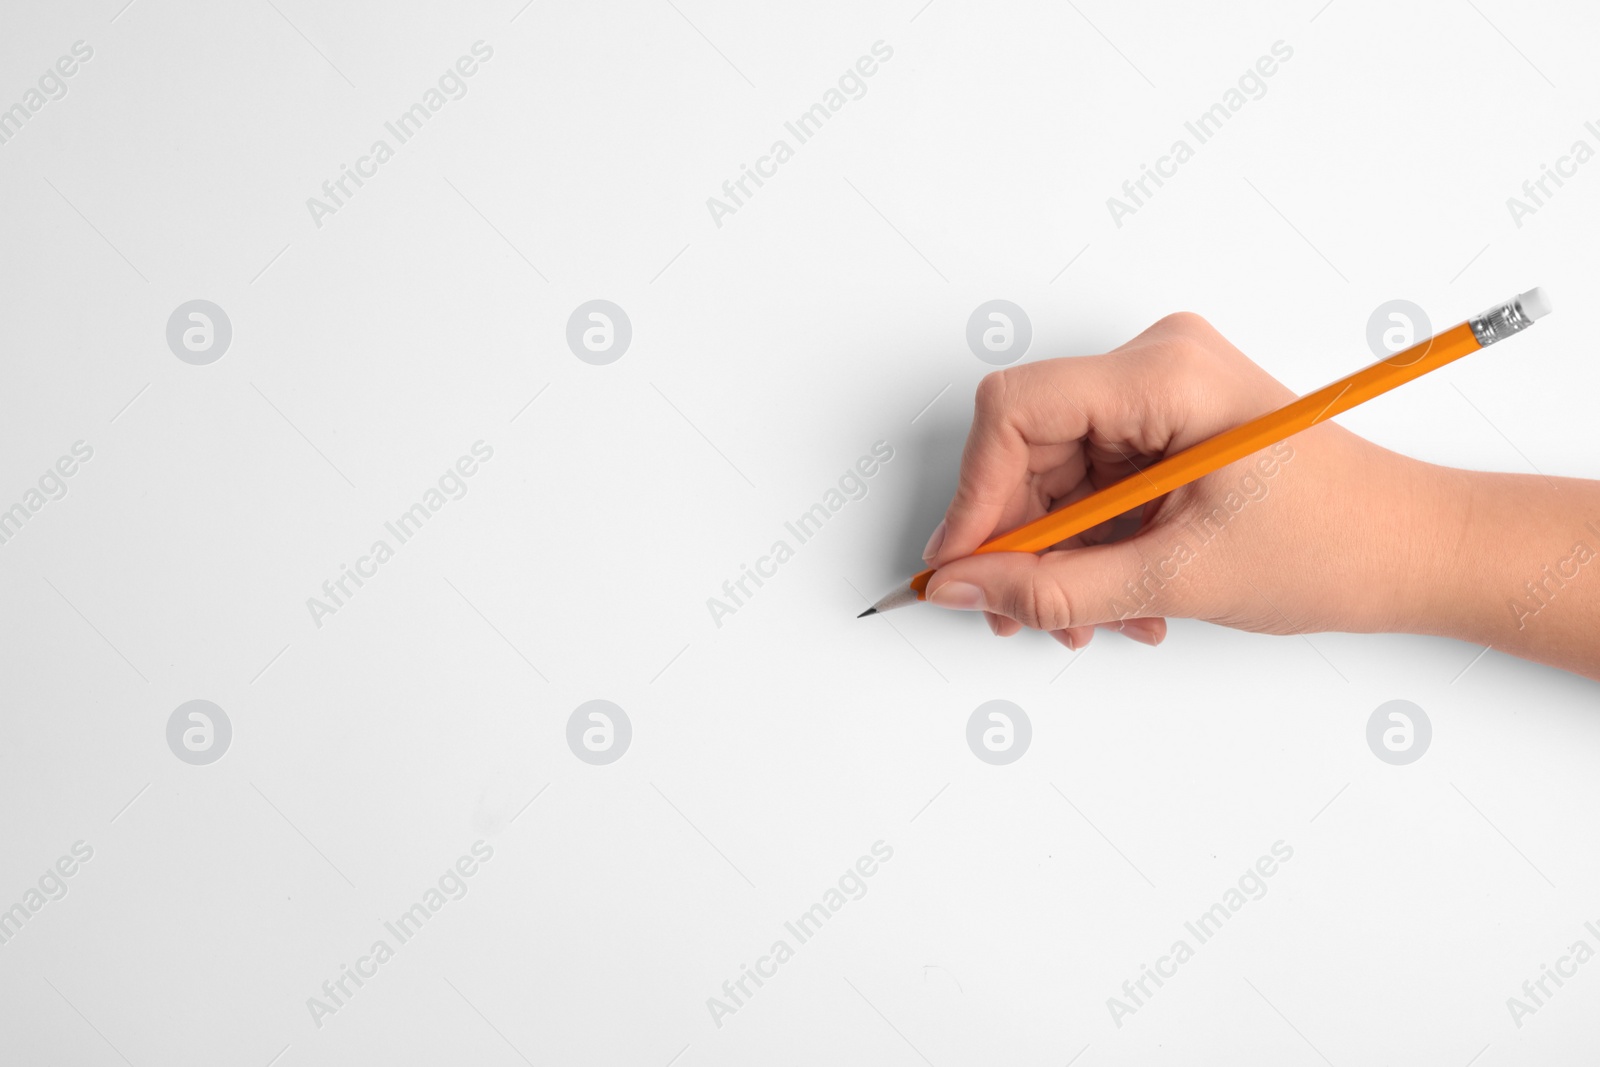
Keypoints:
pixel 1018 410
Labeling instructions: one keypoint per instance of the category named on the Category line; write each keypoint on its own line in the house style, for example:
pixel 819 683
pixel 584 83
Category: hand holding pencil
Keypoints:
pixel 1321 531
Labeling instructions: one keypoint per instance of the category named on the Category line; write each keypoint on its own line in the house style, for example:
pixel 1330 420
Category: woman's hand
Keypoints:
pixel 1325 531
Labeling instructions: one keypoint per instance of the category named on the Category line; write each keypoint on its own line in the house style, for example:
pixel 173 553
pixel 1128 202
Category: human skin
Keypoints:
pixel 1340 535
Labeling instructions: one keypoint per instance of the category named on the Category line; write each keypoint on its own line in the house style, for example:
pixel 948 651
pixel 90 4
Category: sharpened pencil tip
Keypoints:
pixel 869 611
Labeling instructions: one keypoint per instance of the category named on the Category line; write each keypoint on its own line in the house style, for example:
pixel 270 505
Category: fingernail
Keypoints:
pixel 934 542
pixel 1140 633
pixel 959 596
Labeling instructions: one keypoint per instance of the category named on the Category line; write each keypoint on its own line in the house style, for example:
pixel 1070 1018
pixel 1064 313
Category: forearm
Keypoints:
pixel 1511 561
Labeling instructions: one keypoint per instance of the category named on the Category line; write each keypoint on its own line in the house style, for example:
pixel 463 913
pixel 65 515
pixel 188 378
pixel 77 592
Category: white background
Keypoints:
pixel 767 355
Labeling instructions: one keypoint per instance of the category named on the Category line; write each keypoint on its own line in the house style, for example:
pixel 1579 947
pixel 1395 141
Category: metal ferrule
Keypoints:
pixel 1500 322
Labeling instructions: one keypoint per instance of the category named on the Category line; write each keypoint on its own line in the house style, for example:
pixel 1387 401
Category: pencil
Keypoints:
pixel 1230 446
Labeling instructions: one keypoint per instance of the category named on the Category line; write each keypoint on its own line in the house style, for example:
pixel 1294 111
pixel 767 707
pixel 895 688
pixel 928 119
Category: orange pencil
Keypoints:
pixel 1230 446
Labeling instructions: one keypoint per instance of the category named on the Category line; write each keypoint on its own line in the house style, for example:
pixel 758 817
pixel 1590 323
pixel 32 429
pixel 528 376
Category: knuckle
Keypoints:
pixel 993 389
pixel 1052 603
pixel 1039 602
pixel 1187 355
pixel 1018 602
pixel 1187 339
pixel 964 505
pixel 1187 323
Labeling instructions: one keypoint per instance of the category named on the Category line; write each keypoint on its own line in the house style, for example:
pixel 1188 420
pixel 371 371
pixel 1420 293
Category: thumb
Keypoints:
pixel 1061 589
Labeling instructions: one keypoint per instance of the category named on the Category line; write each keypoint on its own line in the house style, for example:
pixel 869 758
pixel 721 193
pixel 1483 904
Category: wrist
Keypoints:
pixel 1439 568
